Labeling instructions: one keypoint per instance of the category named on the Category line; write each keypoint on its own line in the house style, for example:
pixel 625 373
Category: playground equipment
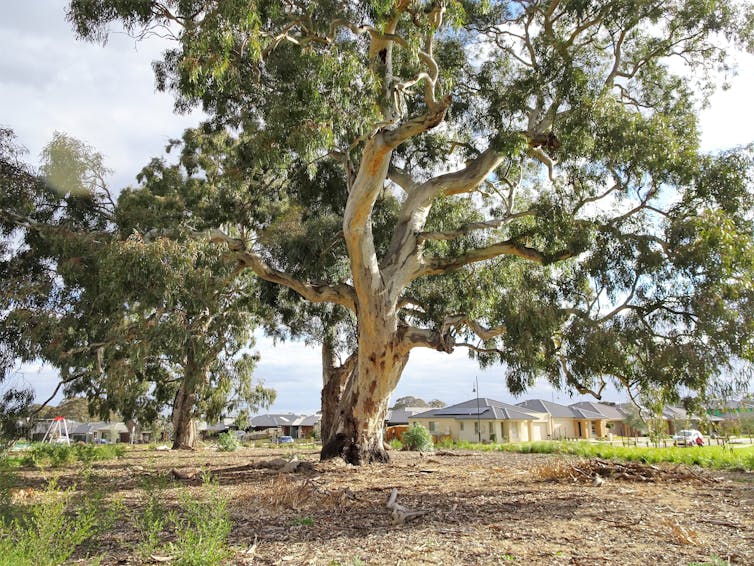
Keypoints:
pixel 57 432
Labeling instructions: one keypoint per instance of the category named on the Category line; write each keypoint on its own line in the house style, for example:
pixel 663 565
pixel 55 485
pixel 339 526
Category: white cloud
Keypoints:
pixel 729 121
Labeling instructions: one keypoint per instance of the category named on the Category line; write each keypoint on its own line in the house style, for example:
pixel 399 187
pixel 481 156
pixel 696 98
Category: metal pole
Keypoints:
pixel 478 416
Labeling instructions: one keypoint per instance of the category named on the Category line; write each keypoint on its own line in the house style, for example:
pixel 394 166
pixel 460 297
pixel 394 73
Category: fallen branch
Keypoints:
pixel 597 470
pixel 400 513
pixel 183 475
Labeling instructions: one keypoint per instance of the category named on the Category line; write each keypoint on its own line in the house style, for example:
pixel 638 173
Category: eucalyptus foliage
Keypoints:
pixel 133 324
pixel 522 179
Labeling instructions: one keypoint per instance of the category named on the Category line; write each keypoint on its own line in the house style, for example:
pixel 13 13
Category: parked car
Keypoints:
pixel 285 439
pixel 689 437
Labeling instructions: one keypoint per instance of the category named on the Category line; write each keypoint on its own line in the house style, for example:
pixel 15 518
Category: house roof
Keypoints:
pixel 608 412
pixel 559 411
pixel 401 416
pixel 91 428
pixel 482 408
pixel 273 420
pixel 307 420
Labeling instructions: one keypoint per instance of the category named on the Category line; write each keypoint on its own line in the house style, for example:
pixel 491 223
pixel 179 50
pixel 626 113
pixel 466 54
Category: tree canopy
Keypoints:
pixel 133 322
pixel 522 179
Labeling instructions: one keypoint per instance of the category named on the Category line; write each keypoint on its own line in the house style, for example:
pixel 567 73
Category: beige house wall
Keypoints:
pixel 562 428
pixel 466 429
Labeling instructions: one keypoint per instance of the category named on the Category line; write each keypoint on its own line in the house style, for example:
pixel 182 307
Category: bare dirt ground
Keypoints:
pixel 482 508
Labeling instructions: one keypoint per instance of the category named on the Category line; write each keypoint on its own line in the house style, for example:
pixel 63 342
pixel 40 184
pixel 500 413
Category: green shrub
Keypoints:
pixel 152 522
pixel 417 438
pixel 228 442
pixel 43 455
pixel 202 530
pixel 396 444
pixel 49 532
pixel 446 443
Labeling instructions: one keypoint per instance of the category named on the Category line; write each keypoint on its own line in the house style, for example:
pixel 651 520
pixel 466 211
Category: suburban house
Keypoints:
pixel 613 416
pixel 289 424
pixel 566 422
pixel 732 410
pixel 306 425
pixel 397 420
pixel 483 419
pixel 401 416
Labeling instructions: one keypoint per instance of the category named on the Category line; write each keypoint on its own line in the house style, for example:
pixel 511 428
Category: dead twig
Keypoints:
pixel 400 513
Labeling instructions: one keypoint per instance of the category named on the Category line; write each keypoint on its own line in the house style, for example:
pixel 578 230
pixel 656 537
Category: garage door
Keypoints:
pixel 539 431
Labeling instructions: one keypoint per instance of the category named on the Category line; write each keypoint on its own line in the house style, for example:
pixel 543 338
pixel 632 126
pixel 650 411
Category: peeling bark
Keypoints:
pixel 359 422
pixel 184 427
pixel 334 380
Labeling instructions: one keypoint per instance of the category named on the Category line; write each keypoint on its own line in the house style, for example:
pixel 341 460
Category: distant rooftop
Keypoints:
pixel 482 408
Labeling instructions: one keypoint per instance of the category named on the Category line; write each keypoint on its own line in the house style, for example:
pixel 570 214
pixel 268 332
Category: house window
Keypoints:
pixel 432 426
pixel 492 428
pixel 461 426
pixel 476 427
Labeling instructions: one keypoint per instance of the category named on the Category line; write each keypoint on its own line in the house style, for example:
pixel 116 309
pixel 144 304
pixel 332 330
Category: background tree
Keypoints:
pixel 522 179
pixel 133 325
pixel 409 401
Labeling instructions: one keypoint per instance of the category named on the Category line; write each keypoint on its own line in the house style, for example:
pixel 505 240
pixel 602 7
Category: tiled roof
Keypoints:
pixel 559 411
pixel 607 411
pixel 482 408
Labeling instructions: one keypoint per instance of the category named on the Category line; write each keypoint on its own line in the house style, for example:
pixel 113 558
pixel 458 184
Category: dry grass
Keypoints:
pixel 482 508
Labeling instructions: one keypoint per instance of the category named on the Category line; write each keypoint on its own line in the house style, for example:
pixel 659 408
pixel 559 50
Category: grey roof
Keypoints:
pixel 559 411
pixel 98 426
pixel 401 416
pixel 482 408
pixel 307 420
pixel 608 412
pixel 675 413
pixel 273 420
pixel 270 420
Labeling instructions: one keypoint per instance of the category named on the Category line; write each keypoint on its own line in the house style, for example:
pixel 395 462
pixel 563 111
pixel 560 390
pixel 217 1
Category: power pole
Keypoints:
pixel 478 417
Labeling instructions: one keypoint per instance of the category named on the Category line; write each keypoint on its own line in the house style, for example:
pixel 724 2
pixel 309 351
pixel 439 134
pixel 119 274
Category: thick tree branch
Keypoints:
pixel 340 294
pixel 439 266
pixel 418 125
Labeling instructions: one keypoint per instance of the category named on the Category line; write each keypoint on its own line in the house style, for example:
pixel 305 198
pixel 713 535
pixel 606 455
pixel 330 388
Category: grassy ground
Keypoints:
pixel 493 507
pixel 714 457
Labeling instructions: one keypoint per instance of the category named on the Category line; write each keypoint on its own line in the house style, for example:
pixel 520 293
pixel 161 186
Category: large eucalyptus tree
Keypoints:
pixel 519 178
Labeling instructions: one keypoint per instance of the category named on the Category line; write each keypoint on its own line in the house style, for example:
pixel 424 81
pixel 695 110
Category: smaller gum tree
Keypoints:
pixel 132 324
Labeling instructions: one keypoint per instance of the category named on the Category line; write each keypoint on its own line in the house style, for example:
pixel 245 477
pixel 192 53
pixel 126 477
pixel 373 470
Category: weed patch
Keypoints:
pixel 49 531
pixel 43 455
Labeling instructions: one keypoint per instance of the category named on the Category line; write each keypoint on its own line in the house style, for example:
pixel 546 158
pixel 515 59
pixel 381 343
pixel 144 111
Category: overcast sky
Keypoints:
pixel 105 96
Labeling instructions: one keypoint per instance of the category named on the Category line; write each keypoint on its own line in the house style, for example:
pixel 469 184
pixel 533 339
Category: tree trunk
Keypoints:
pixel 334 379
pixel 184 427
pixel 359 422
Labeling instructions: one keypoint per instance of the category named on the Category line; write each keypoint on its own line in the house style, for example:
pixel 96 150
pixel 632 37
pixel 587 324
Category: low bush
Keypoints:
pixel 43 455
pixel 228 442
pixel 51 530
pixel 417 438
pixel 202 530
